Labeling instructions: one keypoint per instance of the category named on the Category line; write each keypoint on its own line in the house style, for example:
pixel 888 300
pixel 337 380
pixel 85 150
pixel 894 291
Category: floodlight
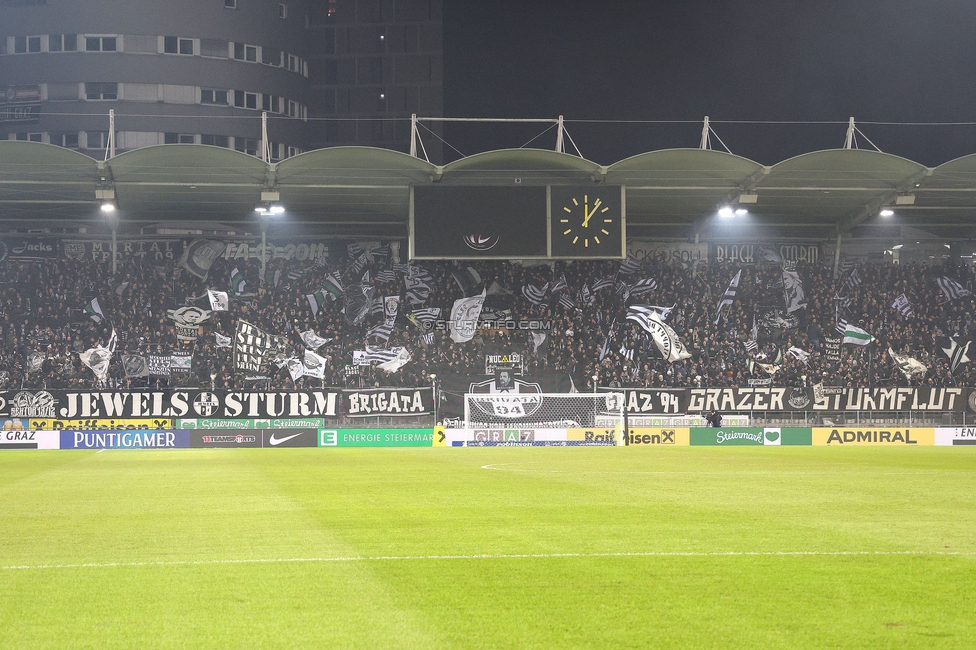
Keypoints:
pixel 726 212
pixel 108 206
pixel 741 211
pixel 886 212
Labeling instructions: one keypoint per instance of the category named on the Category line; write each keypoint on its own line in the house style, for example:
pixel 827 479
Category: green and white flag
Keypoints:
pixel 332 285
pixel 856 336
pixel 94 310
pixel 237 284
pixel 316 300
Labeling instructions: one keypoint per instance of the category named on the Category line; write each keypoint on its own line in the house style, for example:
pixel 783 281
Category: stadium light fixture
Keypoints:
pixel 108 207
pixel 741 211
pixel 726 212
pixel 887 212
pixel 896 247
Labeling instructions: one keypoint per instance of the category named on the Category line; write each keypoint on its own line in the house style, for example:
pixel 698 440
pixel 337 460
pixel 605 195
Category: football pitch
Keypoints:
pixel 489 548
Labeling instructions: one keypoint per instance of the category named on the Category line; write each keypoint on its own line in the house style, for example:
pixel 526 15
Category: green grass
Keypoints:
pixel 157 523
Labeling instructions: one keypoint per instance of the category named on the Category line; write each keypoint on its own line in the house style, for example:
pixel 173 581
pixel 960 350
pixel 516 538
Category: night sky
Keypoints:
pixel 876 60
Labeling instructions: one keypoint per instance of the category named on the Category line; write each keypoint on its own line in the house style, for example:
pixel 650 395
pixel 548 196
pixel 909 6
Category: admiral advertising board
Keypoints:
pixel 168 404
pixel 20 439
pixel 681 401
pixel 125 439
pixel 875 436
pixel 956 437
pixel 749 436
pixel 375 437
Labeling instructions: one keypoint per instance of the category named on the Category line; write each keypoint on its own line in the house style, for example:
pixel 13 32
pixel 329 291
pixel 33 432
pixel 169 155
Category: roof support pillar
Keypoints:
pixel 837 254
pixel 849 141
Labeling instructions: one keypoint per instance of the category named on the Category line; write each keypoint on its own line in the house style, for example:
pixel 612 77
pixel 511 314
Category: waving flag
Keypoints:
pixel 728 297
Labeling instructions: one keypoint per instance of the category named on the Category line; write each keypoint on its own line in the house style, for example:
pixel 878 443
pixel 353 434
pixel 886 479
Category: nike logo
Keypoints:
pixel 277 441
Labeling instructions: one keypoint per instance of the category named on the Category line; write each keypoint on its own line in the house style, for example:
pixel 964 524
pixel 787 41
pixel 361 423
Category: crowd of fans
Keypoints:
pixel 43 318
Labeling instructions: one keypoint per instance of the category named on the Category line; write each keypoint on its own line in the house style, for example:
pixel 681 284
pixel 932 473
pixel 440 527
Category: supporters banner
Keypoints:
pixel 100 250
pixel 255 349
pixel 765 253
pixel 667 252
pixel 28 248
pixel 307 249
pixel 68 405
pixel 388 401
pixel 725 400
pixel 454 387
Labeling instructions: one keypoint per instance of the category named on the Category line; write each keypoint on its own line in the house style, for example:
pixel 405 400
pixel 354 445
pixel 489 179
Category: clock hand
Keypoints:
pixel 586 217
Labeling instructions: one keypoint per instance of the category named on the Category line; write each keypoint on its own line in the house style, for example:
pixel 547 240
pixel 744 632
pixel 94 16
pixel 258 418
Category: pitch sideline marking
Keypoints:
pixel 490 556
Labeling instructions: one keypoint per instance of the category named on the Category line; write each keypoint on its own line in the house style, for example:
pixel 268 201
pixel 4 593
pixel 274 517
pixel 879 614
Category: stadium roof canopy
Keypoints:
pixel 672 194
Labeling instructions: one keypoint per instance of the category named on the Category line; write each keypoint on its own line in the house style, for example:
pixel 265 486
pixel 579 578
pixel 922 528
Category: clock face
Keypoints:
pixel 586 222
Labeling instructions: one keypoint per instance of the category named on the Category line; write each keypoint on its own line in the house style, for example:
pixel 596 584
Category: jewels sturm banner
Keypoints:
pixel 69 405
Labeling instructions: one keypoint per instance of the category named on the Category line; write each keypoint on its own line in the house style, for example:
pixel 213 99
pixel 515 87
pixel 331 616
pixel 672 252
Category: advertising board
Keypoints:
pixel 677 436
pixel 125 439
pixel 883 436
pixel 94 424
pixel 749 436
pixel 955 437
pixel 224 438
pixel 30 440
pixel 375 437
pixel 255 423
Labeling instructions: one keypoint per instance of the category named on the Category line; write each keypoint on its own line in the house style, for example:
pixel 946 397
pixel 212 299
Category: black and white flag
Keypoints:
pixel 952 289
pixel 218 300
pixel 464 317
pixel 376 253
pixel 909 366
pixel 665 338
pixel 566 301
pixel 223 341
pixel 535 294
pixel 255 349
pixel 467 279
pixel 559 285
pixel 98 358
pixel 418 291
pixel 629 265
pixel 602 283
pixel 902 305
pixel 386 276
pixel 640 287
pixel 751 346
pixel 428 315
pixel 793 290
pixel 135 365
pixel 200 255
pixel 626 353
pixel 958 354
pixel 728 297
pixel 312 340
pixel 382 331
pixel 853 280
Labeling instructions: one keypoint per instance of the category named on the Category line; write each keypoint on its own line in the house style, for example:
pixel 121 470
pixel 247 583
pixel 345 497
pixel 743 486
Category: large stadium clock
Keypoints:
pixel 587 222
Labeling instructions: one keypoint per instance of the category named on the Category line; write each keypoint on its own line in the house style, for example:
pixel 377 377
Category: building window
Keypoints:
pixel 101 44
pixel 35 137
pixel 33 44
pixel 282 10
pixel 62 43
pixel 208 96
pixel 230 4
pixel 246 145
pixel 25 44
pixel 293 151
pixel 245 100
pixel 215 140
pixel 103 91
pixel 174 45
pixel 98 139
pixel 67 140
pixel 244 52
pixel 178 138
pixel 293 109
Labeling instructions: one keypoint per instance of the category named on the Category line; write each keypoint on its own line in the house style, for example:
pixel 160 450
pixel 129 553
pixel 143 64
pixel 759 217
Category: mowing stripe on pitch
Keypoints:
pixel 487 556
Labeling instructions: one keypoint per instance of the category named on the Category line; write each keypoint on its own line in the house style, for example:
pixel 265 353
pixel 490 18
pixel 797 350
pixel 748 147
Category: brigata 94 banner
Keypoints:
pixel 764 398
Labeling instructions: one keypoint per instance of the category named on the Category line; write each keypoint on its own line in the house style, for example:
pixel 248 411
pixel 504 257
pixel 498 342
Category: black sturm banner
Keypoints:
pixel 388 401
pixel 761 398
pixel 168 404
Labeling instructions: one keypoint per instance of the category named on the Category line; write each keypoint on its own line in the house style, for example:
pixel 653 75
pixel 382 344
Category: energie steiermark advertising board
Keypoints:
pixel 375 437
